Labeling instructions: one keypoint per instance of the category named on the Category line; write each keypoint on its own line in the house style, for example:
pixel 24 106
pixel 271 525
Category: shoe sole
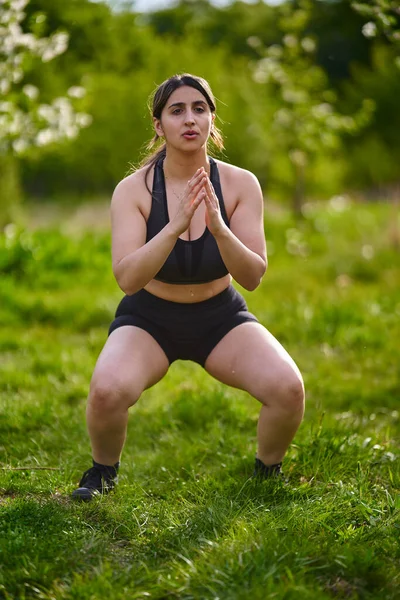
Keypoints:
pixel 85 494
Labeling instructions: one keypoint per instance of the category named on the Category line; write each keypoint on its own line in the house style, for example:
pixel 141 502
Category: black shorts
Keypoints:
pixel 184 331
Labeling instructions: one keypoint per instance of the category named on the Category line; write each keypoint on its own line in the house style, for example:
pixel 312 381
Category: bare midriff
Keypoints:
pixel 189 293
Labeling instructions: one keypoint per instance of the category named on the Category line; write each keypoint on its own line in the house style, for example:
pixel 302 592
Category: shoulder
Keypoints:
pixel 133 190
pixel 237 178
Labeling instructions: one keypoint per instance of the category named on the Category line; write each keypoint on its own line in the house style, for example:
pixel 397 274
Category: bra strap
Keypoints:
pixel 215 180
pixel 159 193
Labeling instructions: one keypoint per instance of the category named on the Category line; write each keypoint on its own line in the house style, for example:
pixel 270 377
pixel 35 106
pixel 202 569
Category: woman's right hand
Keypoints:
pixel 192 197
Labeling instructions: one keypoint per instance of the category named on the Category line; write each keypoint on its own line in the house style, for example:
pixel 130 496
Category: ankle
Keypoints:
pixel 109 470
pixel 263 470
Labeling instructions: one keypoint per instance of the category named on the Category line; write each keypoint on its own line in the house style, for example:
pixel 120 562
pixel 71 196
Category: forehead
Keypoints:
pixel 186 95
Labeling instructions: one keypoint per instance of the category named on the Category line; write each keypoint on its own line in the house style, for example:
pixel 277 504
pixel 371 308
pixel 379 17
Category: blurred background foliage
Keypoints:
pixel 120 56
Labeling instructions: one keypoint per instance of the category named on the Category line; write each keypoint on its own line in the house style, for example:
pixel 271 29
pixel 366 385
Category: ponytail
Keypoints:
pixel 151 159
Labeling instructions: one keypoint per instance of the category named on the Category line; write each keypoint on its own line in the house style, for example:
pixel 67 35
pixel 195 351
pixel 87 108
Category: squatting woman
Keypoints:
pixel 183 227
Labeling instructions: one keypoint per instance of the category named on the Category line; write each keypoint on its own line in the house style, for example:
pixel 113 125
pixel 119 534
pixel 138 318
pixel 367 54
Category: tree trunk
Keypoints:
pixel 299 189
pixel 10 190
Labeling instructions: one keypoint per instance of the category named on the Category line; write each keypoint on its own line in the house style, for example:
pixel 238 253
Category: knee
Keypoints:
pixel 292 395
pixel 110 392
pixel 287 393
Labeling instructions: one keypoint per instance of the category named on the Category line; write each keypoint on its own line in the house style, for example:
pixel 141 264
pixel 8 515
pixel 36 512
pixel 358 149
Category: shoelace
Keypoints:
pixel 93 478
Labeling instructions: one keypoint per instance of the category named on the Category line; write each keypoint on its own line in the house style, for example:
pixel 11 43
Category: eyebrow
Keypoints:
pixel 183 103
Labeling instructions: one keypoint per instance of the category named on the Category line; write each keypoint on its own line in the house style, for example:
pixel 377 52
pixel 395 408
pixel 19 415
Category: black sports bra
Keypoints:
pixel 195 261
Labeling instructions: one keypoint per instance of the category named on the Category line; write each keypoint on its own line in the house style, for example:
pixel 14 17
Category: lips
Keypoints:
pixel 190 134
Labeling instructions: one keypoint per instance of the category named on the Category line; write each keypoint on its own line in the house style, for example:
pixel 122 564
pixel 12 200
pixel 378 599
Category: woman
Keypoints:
pixel 177 243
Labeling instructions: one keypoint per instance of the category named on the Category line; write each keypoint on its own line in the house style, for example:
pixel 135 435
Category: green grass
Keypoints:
pixel 186 520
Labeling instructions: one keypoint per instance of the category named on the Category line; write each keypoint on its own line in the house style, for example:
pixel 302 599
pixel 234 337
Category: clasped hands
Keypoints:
pixel 200 189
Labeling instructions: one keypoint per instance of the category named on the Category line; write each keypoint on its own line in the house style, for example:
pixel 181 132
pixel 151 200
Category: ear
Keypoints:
pixel 157 127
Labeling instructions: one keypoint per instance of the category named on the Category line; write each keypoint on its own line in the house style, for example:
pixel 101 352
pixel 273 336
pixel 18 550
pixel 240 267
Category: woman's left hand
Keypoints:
pixel 214 220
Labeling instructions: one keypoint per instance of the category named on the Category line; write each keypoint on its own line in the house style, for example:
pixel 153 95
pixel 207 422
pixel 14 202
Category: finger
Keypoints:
pixel 213 200
pixel 199 173
pixel 193 183
pixel 198 185
pixel 198 199
pixel 209 203
pixel 210 186
pixel 210 191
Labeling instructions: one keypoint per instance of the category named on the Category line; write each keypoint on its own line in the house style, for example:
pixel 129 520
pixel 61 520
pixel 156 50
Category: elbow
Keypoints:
pixel 128 290
pixel 253 283
pixel 263 269
pixel 126 287
pixel 125 283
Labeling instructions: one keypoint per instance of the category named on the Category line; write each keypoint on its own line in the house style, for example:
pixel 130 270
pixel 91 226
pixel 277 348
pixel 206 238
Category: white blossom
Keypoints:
pixel 57 45
pixel 320 111
pixel 369 29
pixel 298 157
pixel 308 44
pixel 290 40
pixel 275 51
pixel 6 106
pixel 348 123
pixel 39 124
pixel 18 5
pixel 253 41
pixel 31 91
pixel 83 119
pixel 260 76
pixel 20 146
pixel 76 91
pixel 283 117
pixel 5 87
pixel 46 113
pixel 17 75
pixel 293 96
pixel 45 137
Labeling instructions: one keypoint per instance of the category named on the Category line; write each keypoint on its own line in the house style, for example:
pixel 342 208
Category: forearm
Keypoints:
pixel 245 266
pixel 136 269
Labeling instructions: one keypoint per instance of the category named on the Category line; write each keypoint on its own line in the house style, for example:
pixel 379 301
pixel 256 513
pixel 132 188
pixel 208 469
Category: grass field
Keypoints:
pixel 187 521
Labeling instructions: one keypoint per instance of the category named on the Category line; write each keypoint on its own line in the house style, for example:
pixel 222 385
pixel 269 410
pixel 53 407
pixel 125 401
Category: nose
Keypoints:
pixel 189 119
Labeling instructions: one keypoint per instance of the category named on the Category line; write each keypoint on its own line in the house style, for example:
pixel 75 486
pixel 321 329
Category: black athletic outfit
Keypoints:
pixel 187 331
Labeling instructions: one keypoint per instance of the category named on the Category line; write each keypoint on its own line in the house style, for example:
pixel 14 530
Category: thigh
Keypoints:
pixel 131 357
pixel 251 359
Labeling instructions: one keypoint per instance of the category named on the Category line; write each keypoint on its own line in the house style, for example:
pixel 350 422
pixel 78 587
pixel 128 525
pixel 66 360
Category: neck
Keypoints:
pixel 183 166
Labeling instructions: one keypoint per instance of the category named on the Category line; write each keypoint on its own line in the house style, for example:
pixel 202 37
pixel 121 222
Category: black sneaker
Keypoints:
pixel 95 482
pixel 262 471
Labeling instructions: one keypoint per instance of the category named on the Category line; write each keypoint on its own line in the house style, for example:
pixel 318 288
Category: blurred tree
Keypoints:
pixel 373 158
pixel 340 41
pixel 306 121
pixel 120 57
pixel 230 25
pixel 129 63
pixel 24 121
pixel 384 19
pixel 372 161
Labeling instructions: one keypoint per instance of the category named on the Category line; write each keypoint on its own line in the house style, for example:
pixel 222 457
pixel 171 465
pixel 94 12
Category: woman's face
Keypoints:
pixel 186 119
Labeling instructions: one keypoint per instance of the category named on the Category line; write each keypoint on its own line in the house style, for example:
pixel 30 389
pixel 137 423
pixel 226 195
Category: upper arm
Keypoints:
pixel 128 224
pixel 247 220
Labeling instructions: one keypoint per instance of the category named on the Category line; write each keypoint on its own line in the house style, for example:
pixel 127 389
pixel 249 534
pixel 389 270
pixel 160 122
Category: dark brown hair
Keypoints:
pixel 158 100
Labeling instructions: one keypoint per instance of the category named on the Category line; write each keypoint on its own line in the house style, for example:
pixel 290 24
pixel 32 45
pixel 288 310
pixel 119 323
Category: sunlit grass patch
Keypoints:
pixel 186 520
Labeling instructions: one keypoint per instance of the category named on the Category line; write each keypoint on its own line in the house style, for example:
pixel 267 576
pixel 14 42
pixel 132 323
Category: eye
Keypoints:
pixel 176 111
pixel 199 109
